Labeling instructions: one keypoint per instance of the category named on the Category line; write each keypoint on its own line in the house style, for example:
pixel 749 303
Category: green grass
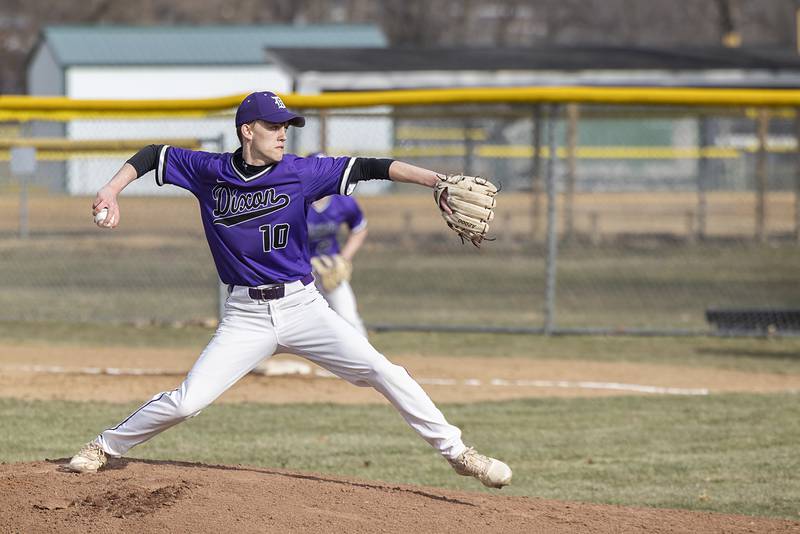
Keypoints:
pixel 672 285
pixel 103 279
pixel 726 453
pixel 171 277
pixel 774 355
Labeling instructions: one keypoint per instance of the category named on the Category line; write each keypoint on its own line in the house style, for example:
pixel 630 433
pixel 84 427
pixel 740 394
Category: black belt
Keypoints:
pixel 274 291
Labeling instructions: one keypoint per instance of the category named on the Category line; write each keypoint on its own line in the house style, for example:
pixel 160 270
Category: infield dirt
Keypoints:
pixel 91 373
pixel 156 496
pixel 163 496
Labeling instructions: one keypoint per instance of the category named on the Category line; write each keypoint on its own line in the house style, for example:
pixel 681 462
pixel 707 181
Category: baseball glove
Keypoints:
pixel 471 200
pixel 331 271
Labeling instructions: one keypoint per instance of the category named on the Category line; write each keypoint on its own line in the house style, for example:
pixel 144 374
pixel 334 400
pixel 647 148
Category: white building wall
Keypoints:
pixel 376 81
pixel 173 81
pixel 86 175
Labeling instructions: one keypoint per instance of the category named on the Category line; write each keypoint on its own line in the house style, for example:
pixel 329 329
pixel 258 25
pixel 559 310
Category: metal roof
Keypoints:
pixel 197 45
pixel 538 58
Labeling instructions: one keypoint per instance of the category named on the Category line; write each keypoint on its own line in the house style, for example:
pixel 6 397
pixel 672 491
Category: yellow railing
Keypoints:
pixel 58 149
pixel 582 152
pixel 92 145
pixel 24 108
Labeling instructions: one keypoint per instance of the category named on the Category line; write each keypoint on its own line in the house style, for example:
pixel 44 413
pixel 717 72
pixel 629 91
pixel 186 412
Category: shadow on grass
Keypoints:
pixel 116 464
pixel 775 354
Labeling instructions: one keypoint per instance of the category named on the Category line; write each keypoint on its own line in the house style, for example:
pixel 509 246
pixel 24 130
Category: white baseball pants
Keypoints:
pixel 343 301
pixel 300 323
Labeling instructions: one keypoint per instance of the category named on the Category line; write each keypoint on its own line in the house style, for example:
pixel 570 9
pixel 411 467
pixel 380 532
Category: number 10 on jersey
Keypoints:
pixel 275 237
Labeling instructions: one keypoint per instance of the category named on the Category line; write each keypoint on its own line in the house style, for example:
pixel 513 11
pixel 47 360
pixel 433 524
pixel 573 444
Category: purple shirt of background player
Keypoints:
pixel 324 224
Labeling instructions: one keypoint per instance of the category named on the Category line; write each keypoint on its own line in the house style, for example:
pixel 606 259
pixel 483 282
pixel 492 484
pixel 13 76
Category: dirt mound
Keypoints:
pixel 153 496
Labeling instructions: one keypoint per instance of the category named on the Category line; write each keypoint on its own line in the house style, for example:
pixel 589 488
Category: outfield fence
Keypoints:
pixel 623 210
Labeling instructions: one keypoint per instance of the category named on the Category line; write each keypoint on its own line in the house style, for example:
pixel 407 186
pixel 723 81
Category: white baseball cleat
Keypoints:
pixel 491 472
pixel 89 459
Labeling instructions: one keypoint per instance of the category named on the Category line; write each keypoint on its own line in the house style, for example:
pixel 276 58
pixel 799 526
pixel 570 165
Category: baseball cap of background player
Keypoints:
pixel 266 106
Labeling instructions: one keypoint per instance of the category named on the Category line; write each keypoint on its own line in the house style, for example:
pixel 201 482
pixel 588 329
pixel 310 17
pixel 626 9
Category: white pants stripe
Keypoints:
pixel 300 323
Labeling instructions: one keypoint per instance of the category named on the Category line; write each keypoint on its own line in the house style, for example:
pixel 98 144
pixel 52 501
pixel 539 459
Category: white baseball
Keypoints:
pixel 101 216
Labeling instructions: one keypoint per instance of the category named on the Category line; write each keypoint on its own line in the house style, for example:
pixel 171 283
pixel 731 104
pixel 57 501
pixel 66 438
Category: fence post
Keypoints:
pixel 569 193
pixel 552 234
pixel 407 239
pixel 761 174
pixel 536 173
pixel 594 228
pixel 23 166
pixel 24 227
pixel 691 227
pixel 508 234
pixel 703 170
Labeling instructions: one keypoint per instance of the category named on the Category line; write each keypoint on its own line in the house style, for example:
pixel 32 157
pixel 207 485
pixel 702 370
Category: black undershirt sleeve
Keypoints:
pixel 363 169
pixel 370 169
pixel 145 160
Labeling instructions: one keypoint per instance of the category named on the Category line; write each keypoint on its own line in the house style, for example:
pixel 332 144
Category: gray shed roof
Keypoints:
pixel 197 45
pixel 544 57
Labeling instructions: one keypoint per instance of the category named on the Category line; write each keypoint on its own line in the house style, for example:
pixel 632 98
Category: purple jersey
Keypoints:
pixel 255 226
pixel 323 225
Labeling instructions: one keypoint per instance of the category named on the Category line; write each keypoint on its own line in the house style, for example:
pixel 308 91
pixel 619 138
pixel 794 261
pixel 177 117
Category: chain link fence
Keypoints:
pixel 611 219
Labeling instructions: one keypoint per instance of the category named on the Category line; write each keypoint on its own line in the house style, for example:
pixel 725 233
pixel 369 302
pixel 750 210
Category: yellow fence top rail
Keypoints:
pixel 61 108
pixel 92 145
pixel 544 95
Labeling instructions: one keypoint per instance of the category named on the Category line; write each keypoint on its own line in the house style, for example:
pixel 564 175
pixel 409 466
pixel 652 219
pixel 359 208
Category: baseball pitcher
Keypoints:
pixel 254 204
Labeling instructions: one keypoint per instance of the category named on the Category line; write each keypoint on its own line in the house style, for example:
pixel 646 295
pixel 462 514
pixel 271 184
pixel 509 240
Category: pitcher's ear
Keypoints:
pixel 246 131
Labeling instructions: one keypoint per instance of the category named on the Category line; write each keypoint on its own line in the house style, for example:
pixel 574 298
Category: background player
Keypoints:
pixel 326 216
pixel 253 205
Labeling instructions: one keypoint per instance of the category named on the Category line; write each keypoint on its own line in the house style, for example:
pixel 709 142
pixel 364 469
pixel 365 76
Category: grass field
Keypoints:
pixel 745 354
pixel 731 453
pixel 412 270
pixel 734 453
pixel 171 279
pixel 595 288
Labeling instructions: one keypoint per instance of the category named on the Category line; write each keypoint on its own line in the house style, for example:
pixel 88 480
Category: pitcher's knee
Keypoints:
pixel 183 412
pixel 186 408
pixel 385 369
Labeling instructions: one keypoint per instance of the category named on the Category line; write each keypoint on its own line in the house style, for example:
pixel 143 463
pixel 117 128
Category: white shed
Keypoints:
pixel 128 62
pixel 175 61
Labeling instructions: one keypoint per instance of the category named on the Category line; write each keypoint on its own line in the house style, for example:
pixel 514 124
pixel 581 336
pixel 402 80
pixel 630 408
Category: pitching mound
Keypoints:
pixel 151 496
